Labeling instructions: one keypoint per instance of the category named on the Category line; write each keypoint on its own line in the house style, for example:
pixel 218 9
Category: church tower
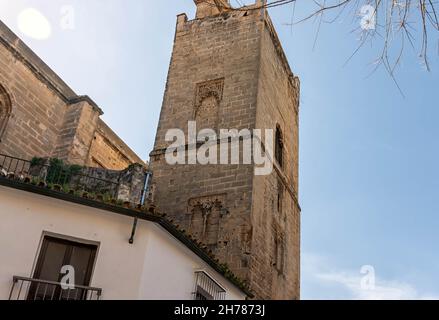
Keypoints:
pixel 228 71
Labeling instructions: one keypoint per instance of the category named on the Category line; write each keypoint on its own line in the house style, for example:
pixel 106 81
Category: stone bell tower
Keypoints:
pixel 229 71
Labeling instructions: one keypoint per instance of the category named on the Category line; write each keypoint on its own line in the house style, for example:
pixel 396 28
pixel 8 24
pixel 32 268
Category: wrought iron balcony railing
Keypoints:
pixel 71 179
pixel 35 289
pixel 206 288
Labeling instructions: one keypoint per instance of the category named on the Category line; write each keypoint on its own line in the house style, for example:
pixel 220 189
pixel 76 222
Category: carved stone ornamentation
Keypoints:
pixel 207 100
pixel 205 217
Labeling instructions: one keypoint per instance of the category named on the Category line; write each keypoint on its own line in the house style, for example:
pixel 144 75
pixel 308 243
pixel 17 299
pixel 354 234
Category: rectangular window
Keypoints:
pixel 56 253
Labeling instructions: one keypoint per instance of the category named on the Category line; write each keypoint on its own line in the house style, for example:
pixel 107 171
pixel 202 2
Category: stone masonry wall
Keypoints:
pixel 225 46
pixel 109 151
pixel 32 129
pixel 76 134
pixel 212 57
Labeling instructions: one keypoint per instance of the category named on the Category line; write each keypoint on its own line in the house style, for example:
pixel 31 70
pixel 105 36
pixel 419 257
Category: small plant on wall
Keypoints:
pixel 58 172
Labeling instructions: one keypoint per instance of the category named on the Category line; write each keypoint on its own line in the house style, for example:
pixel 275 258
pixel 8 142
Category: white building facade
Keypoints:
pixel 42 232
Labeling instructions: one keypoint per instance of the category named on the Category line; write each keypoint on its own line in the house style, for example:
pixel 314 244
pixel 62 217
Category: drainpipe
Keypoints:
pixel 145 190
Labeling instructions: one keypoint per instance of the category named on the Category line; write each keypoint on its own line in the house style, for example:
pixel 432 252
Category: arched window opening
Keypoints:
pixel 279 146
pixel 5 110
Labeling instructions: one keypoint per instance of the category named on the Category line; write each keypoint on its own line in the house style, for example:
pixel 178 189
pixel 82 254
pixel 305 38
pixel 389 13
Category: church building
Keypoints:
pixel 228 71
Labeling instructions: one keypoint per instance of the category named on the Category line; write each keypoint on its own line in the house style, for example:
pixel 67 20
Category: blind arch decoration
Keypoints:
pixel 5 110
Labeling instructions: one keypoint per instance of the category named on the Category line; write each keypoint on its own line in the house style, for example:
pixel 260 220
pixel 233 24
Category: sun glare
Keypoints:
pixel 34 24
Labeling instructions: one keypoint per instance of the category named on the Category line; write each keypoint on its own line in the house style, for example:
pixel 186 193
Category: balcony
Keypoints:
pixel 95 183
pixel 207 288
pixel 55 173
pixel 34 289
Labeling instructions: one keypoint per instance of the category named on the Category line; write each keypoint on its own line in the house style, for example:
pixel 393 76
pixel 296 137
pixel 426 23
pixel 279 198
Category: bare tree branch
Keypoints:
pixel 394 23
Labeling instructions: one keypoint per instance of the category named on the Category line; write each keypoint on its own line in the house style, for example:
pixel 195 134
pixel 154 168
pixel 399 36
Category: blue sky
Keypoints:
pixel 369 175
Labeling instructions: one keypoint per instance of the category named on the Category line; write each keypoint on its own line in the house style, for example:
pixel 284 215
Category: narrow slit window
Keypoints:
pixel 279 146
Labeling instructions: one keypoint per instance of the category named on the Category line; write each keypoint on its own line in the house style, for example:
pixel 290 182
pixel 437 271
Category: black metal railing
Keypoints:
pixel 59 176
pixel 207 288
pixel 13 166
pixel 35 289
